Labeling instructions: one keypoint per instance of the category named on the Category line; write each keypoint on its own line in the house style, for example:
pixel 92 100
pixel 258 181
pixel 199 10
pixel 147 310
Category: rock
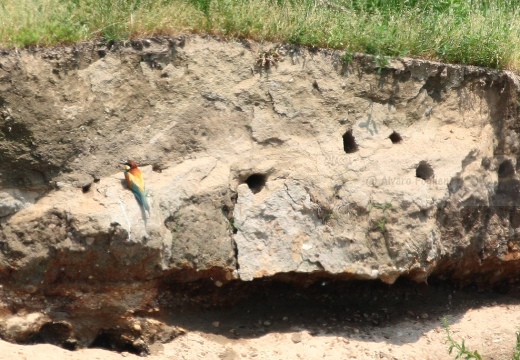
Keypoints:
pixel 270 223
pixel 20 328
pixel 171 71
pixel 13 200
pixel 250 174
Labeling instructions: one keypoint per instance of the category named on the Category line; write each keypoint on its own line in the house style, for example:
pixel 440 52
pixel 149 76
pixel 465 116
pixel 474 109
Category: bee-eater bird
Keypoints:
pixel 135 181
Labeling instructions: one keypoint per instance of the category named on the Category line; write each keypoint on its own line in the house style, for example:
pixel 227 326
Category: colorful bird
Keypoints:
pixel 135 181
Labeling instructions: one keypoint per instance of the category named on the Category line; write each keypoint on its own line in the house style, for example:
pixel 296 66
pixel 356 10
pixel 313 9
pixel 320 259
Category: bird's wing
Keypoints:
pixel 136 179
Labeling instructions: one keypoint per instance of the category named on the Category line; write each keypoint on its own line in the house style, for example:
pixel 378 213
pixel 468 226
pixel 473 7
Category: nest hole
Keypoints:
pixel 116 341
pixel 56 333
pixel 349 142
pixel 424 171
pixel 256 182
pixel 395 137
pixel 506 169
pixel 86 188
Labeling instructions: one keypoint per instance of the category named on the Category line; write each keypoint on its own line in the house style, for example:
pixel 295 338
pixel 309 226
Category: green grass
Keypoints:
pixel 516 352
pixel 461 351
pixel 479 32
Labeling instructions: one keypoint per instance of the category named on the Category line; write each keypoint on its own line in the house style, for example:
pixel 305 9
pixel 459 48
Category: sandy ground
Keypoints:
pixel 262 329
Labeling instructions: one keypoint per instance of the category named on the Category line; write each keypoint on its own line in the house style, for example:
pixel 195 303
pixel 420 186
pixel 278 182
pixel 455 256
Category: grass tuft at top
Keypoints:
pixel 477 32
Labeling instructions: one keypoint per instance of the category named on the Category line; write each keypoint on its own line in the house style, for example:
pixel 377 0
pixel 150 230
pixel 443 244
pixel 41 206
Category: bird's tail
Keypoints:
pixel 141 197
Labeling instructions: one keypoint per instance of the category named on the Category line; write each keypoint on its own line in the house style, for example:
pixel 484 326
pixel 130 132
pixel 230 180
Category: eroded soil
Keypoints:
pixel 323 320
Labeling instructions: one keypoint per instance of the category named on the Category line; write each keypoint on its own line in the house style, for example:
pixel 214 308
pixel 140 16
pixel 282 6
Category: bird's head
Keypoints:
pixel 129 164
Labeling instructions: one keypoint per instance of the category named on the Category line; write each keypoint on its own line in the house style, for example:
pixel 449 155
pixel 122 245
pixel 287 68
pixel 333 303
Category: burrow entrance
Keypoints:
pixel 256 182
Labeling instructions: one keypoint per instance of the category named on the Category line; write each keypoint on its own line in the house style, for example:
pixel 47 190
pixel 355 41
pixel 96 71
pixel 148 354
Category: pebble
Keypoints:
pixel 138 343
pixel 216 323
pixel 60 185
pixel 296 338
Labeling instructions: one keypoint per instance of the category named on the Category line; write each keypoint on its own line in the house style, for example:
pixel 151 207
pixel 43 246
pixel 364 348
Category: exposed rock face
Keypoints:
pixel 303 164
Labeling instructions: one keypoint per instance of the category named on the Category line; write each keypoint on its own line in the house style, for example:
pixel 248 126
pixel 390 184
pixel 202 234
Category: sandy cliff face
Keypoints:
pixel 259 160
